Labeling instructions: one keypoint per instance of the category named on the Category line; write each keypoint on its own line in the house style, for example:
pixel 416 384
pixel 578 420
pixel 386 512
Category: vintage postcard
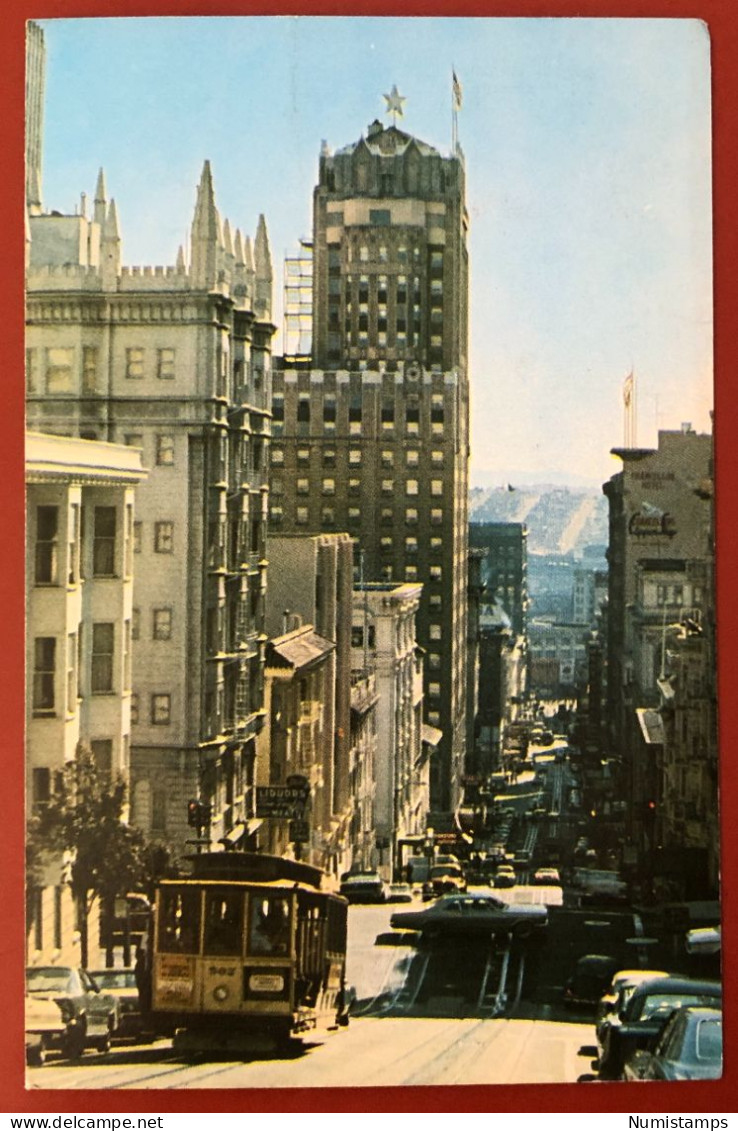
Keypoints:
pixel 371 697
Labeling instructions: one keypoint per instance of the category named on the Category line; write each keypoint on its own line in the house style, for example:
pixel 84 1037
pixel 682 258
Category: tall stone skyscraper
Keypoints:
pixel 371 432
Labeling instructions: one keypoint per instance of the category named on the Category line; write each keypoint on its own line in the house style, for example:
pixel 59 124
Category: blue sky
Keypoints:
pixel 587 145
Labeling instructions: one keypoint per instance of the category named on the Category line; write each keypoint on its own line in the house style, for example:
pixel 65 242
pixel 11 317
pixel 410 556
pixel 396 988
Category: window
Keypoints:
pixel 386 517
pixel 135 623
pixel 165 451
pixel 436 543
pixel 137 537
pixel 303 486
pixel 435 573
pixel 102 752
pixel 71 672
pixel 329 486
pixel 329 457
pixel 133 439
pixel 354 486
pixel 354 515
pixel 411 545
pixel 277 457
pixel 303 410
pixel 165 364
pixel 31 371
pixel 89 369
pixel 277 486
pixel 44 666
pixel 103 549
pixel 134 708
pixel 276 514
pixel 434 601
pixel 301 516
pixel 436 516
pixel 354 457
pixel 59 362
pixel 437 458
pixel 164 537
pixel 162 624
pixel 386 542
pixel 388 486
pixel 388 458
pixel 411 516
pixel 434 661
pixel 364 254
pixel 434 690
pixel 134 363
pixel 412 457
pixel 303 455
pixel 411 487
pixel 436 487
pixel 47 529
pixel 411 573
pixel 380 216
pixel 161 709
pixel 328 516
pixel 103 643
pixel 434 632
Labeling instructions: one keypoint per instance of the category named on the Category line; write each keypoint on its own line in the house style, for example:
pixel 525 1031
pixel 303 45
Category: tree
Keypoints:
pixel 84 819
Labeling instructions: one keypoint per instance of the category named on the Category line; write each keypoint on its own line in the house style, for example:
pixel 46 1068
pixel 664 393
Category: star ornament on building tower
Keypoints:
pixel 394 102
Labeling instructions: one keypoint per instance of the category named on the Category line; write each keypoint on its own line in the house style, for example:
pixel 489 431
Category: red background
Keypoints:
pixel 720 1096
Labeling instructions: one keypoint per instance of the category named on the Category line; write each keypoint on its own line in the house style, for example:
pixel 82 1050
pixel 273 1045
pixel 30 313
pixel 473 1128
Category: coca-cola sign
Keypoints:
pixel 652 525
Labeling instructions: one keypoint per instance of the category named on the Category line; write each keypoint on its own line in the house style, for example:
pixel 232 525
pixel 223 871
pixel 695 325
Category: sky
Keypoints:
pixel 587 148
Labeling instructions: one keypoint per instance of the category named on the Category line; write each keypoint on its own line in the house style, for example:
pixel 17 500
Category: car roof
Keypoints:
pixel 699 985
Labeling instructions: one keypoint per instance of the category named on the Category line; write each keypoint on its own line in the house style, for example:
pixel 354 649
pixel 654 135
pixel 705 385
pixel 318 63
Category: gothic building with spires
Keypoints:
pixel 173 361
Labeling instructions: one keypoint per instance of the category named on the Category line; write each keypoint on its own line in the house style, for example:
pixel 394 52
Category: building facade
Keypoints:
pixel 174 362
pixel 79 615
pixel 371 432
pixel 384 644
pixel 661 562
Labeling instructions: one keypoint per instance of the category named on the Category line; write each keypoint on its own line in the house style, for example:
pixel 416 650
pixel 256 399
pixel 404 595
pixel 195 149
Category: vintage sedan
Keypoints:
pixel 443 879
pixel 90 1016
pixel 120 983
pixel 617 995
pixel 45 1028
pixel 473 913
pixel 364 887
pixel 642 1021
pixel 690 1048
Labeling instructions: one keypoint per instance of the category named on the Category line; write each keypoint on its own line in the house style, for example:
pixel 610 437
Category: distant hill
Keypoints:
pixel 560 520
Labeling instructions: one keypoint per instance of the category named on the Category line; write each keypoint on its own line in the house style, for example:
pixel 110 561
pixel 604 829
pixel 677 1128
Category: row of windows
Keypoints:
pixel 328 486
pixel 103 563
pixel 387 457
pixel 163 446
pixel 160 709
pixel 47 658
pixel 353 516
pixel 163 542
pixel 67 370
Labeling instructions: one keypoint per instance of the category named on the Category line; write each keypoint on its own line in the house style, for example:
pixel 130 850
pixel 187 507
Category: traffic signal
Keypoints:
pixel 651 807
pixel 206 813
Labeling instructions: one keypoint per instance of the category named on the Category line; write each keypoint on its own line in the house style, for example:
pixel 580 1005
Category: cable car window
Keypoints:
pixel 269 924
pixel 179 921
pixel 223 918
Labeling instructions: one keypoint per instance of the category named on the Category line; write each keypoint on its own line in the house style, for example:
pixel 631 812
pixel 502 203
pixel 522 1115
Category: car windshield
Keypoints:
pixel 471 905
pixel 48 979
pixel 114 979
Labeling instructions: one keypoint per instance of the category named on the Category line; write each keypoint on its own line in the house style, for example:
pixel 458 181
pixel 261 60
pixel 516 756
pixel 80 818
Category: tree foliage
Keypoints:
pixel 84 820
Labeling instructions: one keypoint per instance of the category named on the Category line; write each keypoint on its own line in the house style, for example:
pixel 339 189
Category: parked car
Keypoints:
pixel 473 913
pixel 90 1016
pixel 616 997
pixel 444 878
pixel 400 893
pixel 589 979
pixel 121 985
pixel 364 887
pixel 505 876
pixel 690 1048
pixel 546 876
pixel 643 1018
pixel 45 1028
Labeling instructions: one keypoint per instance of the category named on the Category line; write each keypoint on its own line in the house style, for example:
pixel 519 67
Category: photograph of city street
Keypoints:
pixel 371 692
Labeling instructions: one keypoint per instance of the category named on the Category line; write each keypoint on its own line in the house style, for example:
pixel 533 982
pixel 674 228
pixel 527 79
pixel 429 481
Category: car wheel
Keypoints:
pixel 103 1044
pixel 74 1042
pixel 36 1057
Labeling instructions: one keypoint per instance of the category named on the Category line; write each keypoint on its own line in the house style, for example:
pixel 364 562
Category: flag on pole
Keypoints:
pixel 457 91
pixel 628 385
